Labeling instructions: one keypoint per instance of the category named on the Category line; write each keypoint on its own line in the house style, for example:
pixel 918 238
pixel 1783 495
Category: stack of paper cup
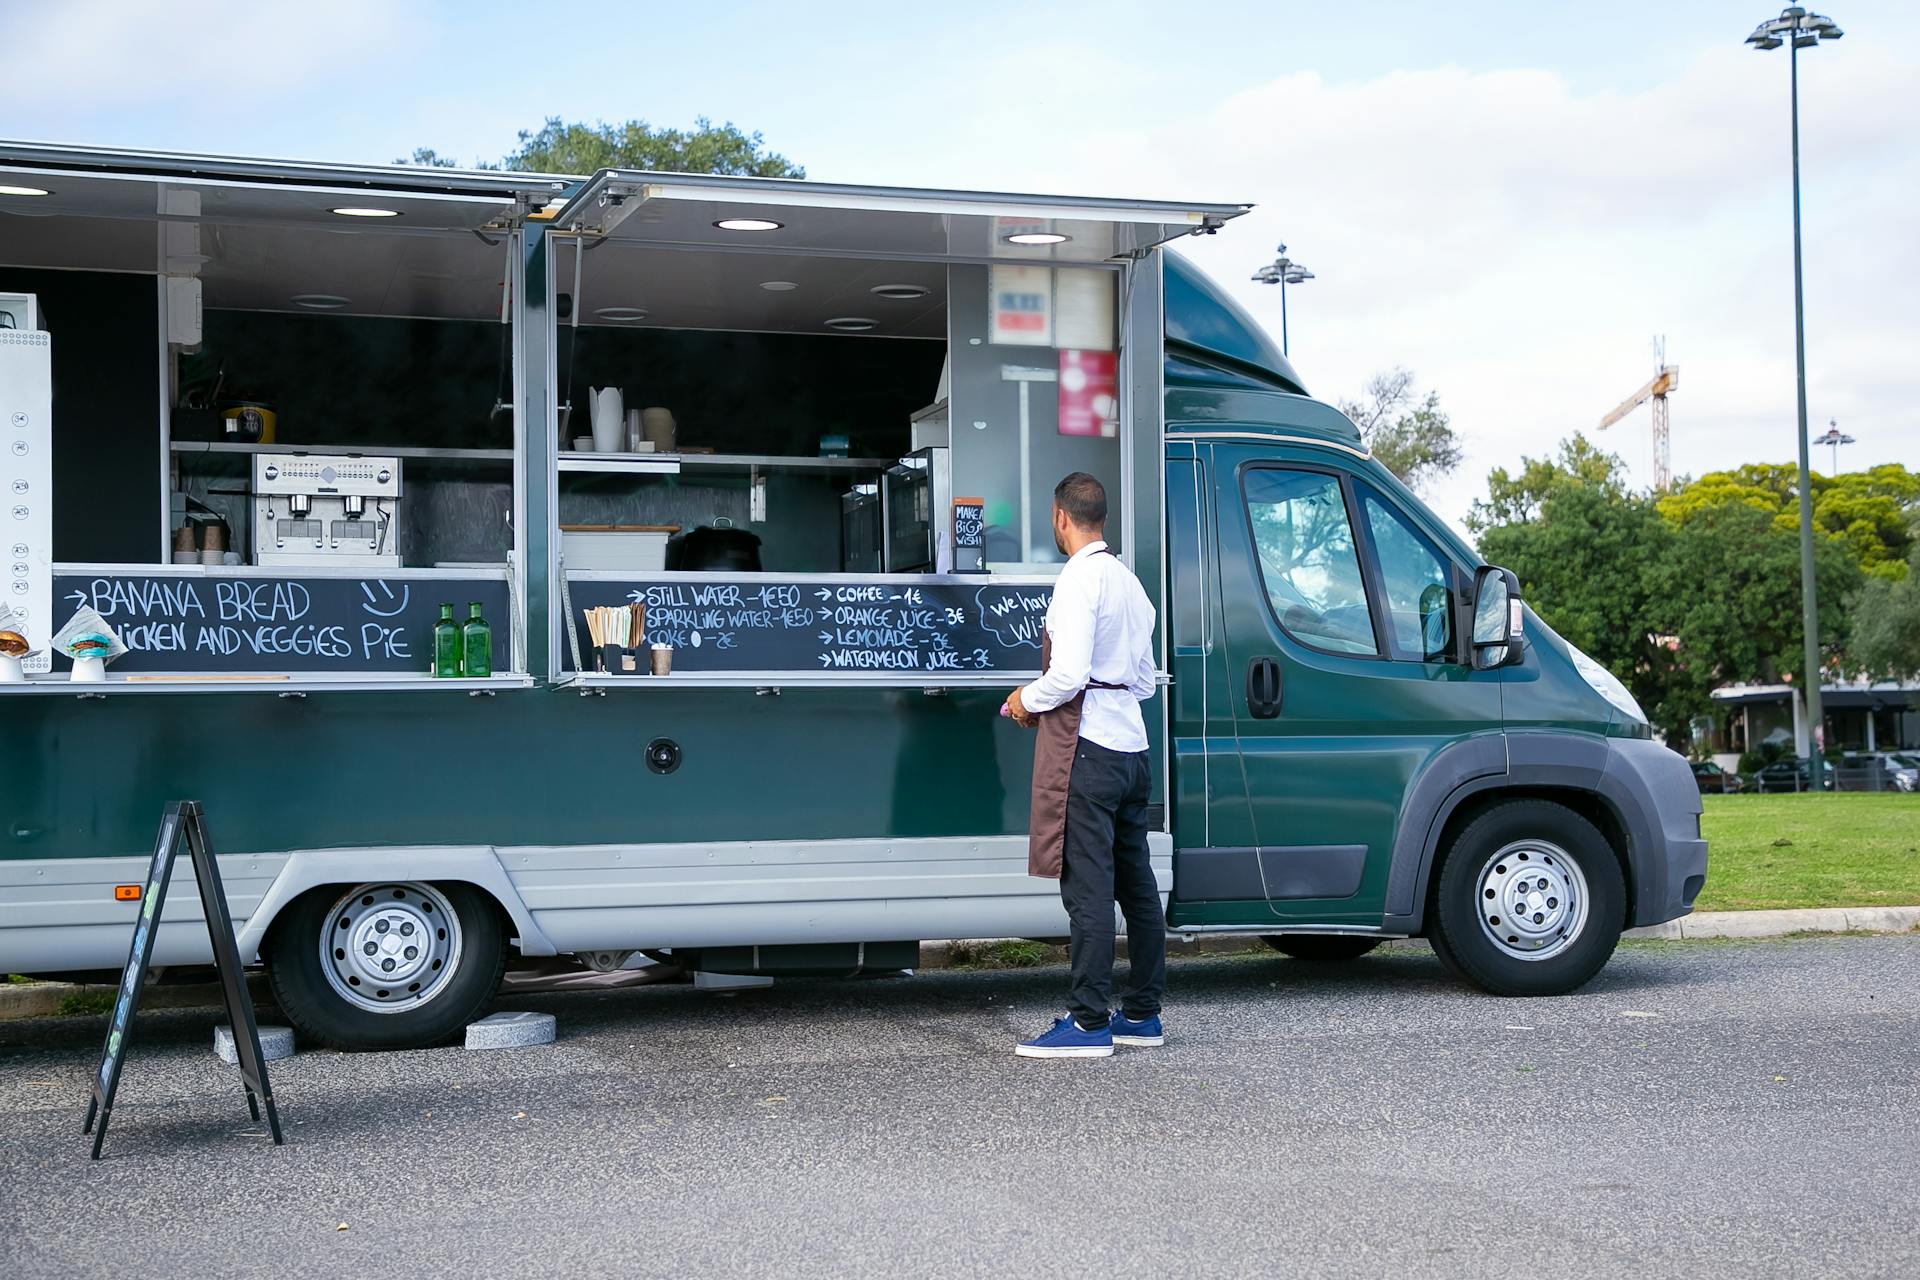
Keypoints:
pixel 609 420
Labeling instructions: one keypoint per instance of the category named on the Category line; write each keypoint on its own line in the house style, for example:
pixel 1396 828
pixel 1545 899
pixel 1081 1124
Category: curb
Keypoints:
pixel 1774 924
pixel 43 999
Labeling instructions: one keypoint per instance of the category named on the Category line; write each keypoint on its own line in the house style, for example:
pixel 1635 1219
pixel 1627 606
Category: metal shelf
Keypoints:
pixel 217 447
pixel 675 463
pixel 775 681
pixel 293 684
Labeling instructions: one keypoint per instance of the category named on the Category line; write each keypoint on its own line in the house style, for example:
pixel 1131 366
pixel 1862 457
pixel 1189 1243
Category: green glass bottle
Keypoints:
pixel 478 639
pixel 446 645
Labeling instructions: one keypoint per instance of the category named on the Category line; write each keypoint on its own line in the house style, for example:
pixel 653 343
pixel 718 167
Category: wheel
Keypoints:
pixel 1531 900
pixel 386 966
pixel 1326 947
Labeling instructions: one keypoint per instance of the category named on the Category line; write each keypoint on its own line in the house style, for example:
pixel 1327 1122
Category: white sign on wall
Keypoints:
pixel 1020 306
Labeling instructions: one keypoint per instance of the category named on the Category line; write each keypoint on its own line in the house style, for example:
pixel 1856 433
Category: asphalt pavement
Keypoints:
pixel 1702 1108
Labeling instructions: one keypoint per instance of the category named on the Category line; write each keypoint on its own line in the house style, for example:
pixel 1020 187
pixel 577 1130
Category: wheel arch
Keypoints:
pixel 1477 773
pixel 311 869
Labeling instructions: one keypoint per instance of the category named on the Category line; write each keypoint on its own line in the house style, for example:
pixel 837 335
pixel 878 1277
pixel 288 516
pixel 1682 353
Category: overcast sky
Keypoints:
pixel 1509 199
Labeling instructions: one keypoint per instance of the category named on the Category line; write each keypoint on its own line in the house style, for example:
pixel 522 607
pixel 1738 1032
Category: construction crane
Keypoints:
pixel 1665 381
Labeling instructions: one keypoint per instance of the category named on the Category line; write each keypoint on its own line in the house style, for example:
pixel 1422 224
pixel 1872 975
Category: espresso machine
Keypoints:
pixel 325 509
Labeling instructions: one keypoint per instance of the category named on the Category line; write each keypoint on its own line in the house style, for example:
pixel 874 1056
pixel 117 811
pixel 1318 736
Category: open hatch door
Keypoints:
pixel 782 215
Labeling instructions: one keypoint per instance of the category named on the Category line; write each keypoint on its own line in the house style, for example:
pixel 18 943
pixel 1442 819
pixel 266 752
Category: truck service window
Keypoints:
pixel 1305 547
pixel 1415 580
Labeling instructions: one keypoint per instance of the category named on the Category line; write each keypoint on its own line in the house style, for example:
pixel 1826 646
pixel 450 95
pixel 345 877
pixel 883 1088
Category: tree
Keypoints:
pixel 1872 511
pixel 1731 588
pixel 1886 623
pixel 1581 544
pixel 560 147
pixel 1515 499
pixel 1675 596
pixel 1411 436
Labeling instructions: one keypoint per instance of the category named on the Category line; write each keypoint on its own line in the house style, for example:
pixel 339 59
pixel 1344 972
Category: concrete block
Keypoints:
pixel 729 982
pixel 275 1043
pixel 510 1031
pixel 1883 919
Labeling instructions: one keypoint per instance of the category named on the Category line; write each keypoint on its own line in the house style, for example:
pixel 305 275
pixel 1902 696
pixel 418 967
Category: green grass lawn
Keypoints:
pixel 1848 850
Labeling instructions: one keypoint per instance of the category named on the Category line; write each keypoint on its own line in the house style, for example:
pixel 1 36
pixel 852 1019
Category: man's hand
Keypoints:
pixel 1018 713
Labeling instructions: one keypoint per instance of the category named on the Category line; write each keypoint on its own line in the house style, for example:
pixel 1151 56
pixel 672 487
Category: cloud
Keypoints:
pixel 84 60
pixel 1518 242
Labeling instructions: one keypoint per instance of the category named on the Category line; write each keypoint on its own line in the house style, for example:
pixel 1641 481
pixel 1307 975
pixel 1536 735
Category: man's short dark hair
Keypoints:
pixel 1084 499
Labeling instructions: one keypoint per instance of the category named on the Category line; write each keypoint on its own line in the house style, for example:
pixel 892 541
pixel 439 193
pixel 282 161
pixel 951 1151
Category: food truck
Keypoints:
pixel 520 566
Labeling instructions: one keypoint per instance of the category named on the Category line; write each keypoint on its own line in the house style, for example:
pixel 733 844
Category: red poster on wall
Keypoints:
pixel 1089 393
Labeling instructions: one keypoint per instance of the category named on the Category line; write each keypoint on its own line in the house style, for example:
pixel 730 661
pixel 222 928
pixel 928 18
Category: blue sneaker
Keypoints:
pixel 1067 1040
pixel 1145 1032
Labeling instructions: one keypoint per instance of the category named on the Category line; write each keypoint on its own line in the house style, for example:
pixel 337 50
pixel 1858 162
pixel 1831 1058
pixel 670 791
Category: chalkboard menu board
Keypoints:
pixel 829 625
pixel 274 623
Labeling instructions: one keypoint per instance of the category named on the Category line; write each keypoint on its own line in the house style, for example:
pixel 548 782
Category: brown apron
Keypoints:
pixel 1058 736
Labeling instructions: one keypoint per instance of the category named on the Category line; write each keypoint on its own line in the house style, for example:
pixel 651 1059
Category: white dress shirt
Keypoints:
pixel 1101 624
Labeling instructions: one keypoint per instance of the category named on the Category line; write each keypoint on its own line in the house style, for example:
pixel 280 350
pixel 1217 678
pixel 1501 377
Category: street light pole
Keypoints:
pixel 1802 30
pixel 1283 271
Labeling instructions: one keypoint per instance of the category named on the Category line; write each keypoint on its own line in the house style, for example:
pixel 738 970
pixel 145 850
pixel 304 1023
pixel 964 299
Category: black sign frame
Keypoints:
pixel 182 822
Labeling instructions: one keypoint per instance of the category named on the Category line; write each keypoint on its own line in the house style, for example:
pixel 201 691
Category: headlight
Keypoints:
pixel 1606 684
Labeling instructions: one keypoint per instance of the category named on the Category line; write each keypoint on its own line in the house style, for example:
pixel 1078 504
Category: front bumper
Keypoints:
pixel 1653 792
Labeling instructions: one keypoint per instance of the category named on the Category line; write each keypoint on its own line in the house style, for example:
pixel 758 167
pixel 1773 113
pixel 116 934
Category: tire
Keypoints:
pixel 1552 862
pixel 1321 948
pixel 427 993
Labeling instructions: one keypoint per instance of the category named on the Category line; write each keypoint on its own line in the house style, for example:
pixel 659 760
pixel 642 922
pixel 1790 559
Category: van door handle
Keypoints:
pixel 1263 688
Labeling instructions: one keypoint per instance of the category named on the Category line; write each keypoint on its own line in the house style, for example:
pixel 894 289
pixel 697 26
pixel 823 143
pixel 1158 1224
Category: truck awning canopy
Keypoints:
pixel 788 216
pixel 69 161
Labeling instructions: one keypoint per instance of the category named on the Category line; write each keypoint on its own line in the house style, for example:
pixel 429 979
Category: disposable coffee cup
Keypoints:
pixel 662 659
pixel 12 671
pixel 89 671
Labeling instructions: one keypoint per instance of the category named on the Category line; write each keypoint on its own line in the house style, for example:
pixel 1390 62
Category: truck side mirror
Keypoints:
pixel 1499 637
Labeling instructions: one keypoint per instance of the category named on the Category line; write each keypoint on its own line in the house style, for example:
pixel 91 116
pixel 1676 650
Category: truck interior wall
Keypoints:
pixel 987 426
pixel 345 380
pixel 106 400
pixel 760 393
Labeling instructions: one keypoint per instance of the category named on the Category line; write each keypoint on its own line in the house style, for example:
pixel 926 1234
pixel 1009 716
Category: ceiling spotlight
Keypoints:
pixel 778 286
pixel 851 324
pixel 319 301
pixel 900 292
pixel 621 313
pixel 1037 237
pixel 354 211
pixel 24 191
pixel 748 224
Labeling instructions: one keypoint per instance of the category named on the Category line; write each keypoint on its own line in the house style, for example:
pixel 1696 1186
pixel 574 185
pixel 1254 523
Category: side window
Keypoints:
pixel 1416 582
pixel 1305 546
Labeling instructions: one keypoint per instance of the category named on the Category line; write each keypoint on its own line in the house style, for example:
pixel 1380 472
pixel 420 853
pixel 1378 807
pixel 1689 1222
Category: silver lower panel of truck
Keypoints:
pixel 60 914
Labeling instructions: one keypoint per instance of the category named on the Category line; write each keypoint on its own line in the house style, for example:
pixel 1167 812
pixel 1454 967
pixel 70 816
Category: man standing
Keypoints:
pixel 1091 781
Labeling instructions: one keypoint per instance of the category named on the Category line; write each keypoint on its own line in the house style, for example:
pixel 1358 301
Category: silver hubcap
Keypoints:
pixel 1532 900
pixel 390 947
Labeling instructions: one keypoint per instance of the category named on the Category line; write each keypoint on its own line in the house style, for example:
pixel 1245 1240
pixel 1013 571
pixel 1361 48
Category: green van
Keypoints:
pixel 847 406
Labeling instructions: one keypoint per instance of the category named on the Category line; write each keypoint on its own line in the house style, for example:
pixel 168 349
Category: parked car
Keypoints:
pixel 1790 775
pixel 1898 770
pixel 1709 776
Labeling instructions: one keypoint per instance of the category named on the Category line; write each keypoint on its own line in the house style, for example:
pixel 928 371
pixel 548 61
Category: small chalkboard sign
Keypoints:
pixel 969 535
pixel 182 822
